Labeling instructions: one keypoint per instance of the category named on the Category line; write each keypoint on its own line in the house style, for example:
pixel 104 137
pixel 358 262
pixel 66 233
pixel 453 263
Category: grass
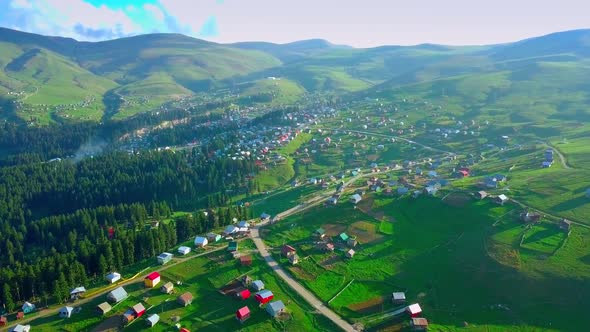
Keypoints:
pixel 448 259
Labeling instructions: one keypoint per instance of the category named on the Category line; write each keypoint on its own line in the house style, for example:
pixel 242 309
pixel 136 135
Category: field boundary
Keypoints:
pixel 340 292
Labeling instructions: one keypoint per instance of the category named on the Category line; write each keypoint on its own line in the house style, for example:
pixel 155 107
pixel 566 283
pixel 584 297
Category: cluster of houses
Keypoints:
pixel 343 240
pixel 414 311
pixel 263 297
pixel 27 308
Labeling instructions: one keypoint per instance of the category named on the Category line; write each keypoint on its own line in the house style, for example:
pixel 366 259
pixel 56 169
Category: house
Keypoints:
pixel 117 295
pixel 463 173
pixel 287 250
pixel 549 155
pixel 243 294
pixel 113 277
pixel 354 199
pixel 402 190
pixel 264 296
pixel 103 308
pixel 184 329
pixel 326 246
pixel 294 259
pixel 313 181
pixel 185 299
pixel 77 292
pixel 320 233
pixel 243 314
pixel 332 200
pixel 398 297
pixel 152 320
pixel 546 164
pixel 565 224
pixel 212 237
pixel 3 320
pixel 419 324
pixel 264 217
pixel 28 307
pixel 481 194
pixel 500 178
pixel 275 308
pixel 65 312
pixel 350 253
pixel 164 258
pixel 183 250
pixel 414 310
pixel 138 310
pixel 246 281
pixel 232 246
pixel 501 199
pixel 167 288
pixel 257 285
pixel 343 237
pixel 230 230
pixel 246 260
pixel 351 242
pixel 243 223
pixel 490 183
pixel 151 280
pixel 430 191
pixel 20 328
pixel 201 242
pixel 530 217
pixel 20 315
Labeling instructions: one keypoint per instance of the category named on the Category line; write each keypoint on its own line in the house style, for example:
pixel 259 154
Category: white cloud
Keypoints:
pixel 21 4
pixel 155 11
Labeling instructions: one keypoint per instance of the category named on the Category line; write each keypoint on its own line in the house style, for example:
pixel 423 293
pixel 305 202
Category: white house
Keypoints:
pixel 355 198
pixel 201 242
pixel 66 312
pixel 501 199
pixel 152 320
pixel 183 250
pixel 113 277
pixel 231 229
pixel 164 258
pixel 21 328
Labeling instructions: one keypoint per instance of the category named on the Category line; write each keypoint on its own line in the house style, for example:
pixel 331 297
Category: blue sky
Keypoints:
pixel 360 23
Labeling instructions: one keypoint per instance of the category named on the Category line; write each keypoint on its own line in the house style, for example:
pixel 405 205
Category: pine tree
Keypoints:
pixel 7 298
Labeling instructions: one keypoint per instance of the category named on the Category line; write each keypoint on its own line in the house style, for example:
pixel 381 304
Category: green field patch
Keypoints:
pixel 386 227
pixel 544 238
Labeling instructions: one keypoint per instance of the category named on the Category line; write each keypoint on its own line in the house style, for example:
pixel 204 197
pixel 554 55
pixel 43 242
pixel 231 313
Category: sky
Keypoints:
pixel 359 23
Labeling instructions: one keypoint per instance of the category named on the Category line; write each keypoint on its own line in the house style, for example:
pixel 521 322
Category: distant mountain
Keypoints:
pixel 143 72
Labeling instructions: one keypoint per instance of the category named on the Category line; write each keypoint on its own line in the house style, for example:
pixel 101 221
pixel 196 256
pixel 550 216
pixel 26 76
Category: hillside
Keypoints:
pixel 138 74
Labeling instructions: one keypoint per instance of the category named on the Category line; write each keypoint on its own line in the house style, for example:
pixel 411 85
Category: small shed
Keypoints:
pixel 65 312
pixel 21 328
pixel 565 225
pixel 164 258
pixel 167 288
pixel 354 199
pixel 138 310
pixel 294 259
pixel 243 314
pixel 343 237
pixel 213 237
pixel 326 246
pixel 185 299
pixel 481 194
pixel 264 296
pixel 288 250
pixel 113 277
pixel 183 250
pixel 320 233
pixel 246 260
pixel 201 242
pixel 264 217
pixel 77 292
pixel 28 307
pixel 398 297
pixel 257 285
pixel 232 246
pixel 117 295
pixel 152 320
pixel 501 199
pixel 419 324
pixel 103 308
pixel 152 279
pixel 350 253
pixel 275 308
pixel 243 294
pixel 414 310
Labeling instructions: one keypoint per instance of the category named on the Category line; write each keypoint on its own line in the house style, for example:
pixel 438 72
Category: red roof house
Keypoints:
pixel 414 310
pixel 139 310
pixel 184 329
pixel 20 315
pixel 264 296
pixel 246 260
pixel 243 313
pixel 464 173
pixel 287 250
pixel 244 294
pixel 3 320
pixel 152 279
